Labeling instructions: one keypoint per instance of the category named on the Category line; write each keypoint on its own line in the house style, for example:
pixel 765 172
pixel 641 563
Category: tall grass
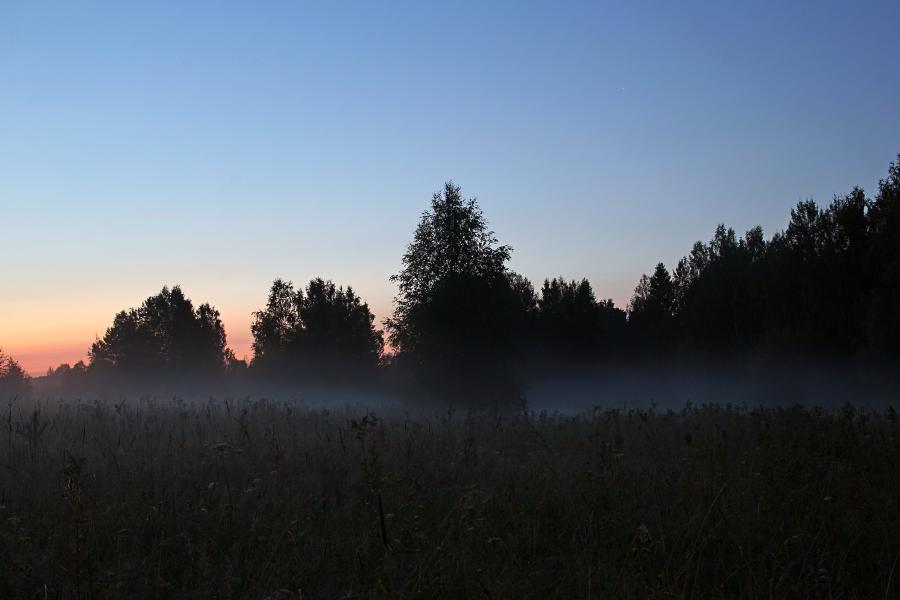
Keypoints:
pixel 265 499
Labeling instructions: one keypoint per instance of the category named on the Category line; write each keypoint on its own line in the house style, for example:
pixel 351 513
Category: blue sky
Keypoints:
pixel 219 145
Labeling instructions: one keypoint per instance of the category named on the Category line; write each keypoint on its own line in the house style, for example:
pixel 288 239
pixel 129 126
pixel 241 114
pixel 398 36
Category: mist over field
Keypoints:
pixel 754 384
pixel 561 388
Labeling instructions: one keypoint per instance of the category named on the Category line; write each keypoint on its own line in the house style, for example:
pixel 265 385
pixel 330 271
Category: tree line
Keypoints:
pixel 828 284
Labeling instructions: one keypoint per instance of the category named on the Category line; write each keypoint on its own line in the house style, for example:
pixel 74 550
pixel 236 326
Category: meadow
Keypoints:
pixel 255 498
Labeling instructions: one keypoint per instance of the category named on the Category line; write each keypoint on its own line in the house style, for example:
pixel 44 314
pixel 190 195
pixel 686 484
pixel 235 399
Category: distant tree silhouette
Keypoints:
pixel 275 327
pixel 164 335
pixel 524 291
pixel 325 328
pixel 652 309
pixel 829 283
pixel 13 379
pixel 69 377
pixel 451 242
pixel 573 324
pixel 717 295
pixel 882 323
pixel 459 310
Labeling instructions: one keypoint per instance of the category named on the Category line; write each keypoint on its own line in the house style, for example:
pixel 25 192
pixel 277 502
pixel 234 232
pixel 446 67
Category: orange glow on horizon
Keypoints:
pixel 40 335
pixel 36 358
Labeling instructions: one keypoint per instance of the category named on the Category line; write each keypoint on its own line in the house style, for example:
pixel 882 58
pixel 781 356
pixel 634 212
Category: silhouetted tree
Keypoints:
pixel 652 309
pixel 451 242
pixel 165 335
pixel 338 325
pixel 882 322
pixel 458 310
pixel 326 328
pixel 840 274
pixel 717 293
pixel 13 379
pixel 573 324
pixel 275 328
pixel 68 377
pixel 524 291
pixel 826 284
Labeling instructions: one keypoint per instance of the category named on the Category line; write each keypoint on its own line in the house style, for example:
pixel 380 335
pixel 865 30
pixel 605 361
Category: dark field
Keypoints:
pixel 264 499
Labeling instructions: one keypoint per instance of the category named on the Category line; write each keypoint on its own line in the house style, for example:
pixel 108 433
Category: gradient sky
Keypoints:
pixel 220 145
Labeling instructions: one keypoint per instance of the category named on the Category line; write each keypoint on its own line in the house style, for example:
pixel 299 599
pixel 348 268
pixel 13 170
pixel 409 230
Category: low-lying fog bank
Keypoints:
pixel 563 388
pixel 754 384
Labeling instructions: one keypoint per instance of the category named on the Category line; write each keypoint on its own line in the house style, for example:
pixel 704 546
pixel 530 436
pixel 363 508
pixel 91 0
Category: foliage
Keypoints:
pixel 828 284
pixel 13 379
pixel 652 308
pixel 164 335
pixel 453 255
pixel 571 322
pixel 71 378
pixel 325 327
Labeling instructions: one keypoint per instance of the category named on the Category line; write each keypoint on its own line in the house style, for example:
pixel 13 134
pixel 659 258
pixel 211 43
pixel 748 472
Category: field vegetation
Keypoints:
pixel 224 498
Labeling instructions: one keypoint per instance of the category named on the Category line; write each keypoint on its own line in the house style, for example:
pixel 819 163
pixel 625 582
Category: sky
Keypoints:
pixel 219 145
